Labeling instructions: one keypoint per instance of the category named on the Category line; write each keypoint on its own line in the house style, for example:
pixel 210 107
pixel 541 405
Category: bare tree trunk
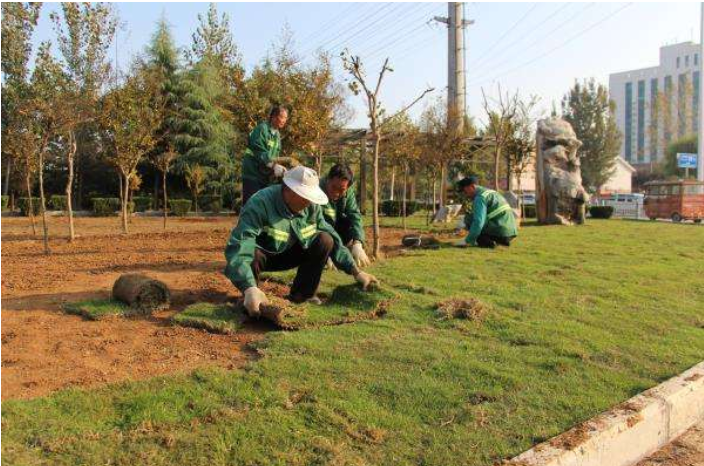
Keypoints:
pixel 443 183
pixel 42 199
pixel 163 181
pixel 363 177
pixel 30 205
pixel 435 198
pixel 405 184
pixel 393 182
pixel 6 187
pixel 497 157
pixel 69 185
pixel 412 194
pixel 125 201
pixel 375 196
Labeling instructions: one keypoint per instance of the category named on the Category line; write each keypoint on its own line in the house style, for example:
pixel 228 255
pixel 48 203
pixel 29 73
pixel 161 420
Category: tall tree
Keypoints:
pixel 51 115
pixel 162 62
pixel 500 113
pixel 84 32
pixel 590 112
pixel 358 84
pixel 19 20
pixel 130 115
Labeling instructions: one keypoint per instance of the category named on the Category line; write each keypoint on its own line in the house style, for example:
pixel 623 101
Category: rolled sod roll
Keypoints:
pixel 143 294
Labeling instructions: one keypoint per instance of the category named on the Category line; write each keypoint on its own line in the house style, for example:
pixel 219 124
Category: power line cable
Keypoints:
pixel 325 28
pixel 562 24
pixel 325 45
pixel 423 8
pixel 554 49
pixel 347 40
pixel 521 38
pixel 508 31
pixel 387 47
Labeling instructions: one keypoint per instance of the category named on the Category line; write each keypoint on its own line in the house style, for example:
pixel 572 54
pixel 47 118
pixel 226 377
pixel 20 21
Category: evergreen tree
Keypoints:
pixel 590 112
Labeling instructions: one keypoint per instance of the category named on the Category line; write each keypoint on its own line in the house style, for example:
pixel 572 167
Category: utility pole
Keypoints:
pixel 456 77
pixel 700 130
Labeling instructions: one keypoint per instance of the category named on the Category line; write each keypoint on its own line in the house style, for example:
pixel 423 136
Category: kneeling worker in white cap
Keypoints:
pixel 282 227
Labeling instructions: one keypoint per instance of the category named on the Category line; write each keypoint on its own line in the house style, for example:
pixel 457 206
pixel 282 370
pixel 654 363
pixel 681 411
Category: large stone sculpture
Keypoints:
pixel 560 197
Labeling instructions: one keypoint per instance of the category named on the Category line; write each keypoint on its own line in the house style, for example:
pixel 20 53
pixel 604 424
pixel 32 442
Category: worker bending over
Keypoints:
pixel 280 228
pixel 261 165
pixel 492 221
pixel 342 211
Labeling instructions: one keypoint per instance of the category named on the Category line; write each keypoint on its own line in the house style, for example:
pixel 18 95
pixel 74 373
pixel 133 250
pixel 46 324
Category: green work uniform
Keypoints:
pixel 266 223
pixel 491 215
pixel 344 215
pixel 263 147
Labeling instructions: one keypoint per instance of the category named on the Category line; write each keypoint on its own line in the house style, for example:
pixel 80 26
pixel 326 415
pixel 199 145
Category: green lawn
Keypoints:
pixel 578 319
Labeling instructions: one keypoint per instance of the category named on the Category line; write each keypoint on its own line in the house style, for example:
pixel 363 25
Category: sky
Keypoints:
pixel 535 48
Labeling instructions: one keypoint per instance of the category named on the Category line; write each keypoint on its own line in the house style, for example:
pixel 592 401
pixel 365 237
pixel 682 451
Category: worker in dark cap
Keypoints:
pixel 492 220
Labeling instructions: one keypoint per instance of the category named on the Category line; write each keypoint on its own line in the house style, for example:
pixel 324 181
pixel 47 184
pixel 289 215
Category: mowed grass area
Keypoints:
pixel 579 320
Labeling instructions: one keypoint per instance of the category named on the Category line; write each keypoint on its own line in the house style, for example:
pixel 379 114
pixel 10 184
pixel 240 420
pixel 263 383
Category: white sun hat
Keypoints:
pixel 305 182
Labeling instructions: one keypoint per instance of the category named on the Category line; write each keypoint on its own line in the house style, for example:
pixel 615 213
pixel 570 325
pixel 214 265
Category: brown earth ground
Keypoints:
pixel 44 350
pixel 687 450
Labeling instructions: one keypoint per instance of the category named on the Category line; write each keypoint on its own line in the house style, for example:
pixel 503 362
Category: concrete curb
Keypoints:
pixel 629 432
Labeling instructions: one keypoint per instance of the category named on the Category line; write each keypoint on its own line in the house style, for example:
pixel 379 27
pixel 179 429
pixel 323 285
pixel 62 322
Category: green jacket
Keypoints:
pixel 491 214
pixel 263 147
pixel 344 208
pixel 267 223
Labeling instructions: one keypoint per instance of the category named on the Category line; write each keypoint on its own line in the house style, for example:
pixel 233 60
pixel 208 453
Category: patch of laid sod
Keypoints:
pixel 345 304
pixel 96 309
pixel 217 318
pixel 581 319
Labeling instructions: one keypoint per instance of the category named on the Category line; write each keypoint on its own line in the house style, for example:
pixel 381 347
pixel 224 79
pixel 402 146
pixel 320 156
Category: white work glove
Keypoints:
pixel 461 244
pixel 253 298
pixel 279 170
pixel 359 255
pixel 330 265
pixel 366 280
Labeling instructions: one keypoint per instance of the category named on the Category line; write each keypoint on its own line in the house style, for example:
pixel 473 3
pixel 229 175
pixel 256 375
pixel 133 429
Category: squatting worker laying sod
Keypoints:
pixel 492 220
pixel 342 211
pixel 261 165
pixel 282 227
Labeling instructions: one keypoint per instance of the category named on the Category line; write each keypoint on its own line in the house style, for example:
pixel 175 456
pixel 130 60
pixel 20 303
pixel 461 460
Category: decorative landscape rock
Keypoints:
pixel 420 241
pixel 143 294
pixel 560 197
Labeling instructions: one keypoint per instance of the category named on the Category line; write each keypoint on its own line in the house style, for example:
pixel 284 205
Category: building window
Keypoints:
pixel 686 60
pixel 641 121
pixel 629 121
pixel 695 101
pixel 653 128
pixel 678 62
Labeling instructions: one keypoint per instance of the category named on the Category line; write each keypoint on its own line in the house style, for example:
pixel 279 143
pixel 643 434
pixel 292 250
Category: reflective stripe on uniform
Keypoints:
pixel 307 232
pixel 278 235
pixel 330 212
pixel 498 211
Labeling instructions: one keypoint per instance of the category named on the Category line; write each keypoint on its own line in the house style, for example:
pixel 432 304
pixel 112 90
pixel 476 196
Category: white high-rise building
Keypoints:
pixel 641 97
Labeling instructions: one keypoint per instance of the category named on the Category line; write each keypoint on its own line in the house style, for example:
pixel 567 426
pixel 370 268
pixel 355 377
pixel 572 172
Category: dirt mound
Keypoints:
pixel 469 309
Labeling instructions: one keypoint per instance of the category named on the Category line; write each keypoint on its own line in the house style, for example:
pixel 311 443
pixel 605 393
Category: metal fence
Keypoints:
pixel 631 209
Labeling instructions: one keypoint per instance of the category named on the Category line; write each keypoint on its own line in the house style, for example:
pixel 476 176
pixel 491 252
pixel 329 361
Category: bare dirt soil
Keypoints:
pixel 44 350
pixel 687 450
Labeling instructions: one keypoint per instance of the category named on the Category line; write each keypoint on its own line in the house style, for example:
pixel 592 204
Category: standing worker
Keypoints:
pixel 492 220
pixel 282 227
pixel 261 165
pixel 342 211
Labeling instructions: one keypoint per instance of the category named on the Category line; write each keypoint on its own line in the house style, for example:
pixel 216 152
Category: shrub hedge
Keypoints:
pixel 23 205
pixel 58 202
pixel 395 208
pixel 601 211
pixel 180 207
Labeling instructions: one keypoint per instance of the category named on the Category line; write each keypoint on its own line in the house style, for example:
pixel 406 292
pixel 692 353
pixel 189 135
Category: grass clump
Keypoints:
pixel 96 309
pixel 216 318
pixel 469 309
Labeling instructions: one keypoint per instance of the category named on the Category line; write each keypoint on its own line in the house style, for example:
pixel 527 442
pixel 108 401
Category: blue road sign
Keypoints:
pixel 685 160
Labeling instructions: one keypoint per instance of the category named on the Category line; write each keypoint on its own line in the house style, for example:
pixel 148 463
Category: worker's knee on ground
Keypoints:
pixel 325 242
